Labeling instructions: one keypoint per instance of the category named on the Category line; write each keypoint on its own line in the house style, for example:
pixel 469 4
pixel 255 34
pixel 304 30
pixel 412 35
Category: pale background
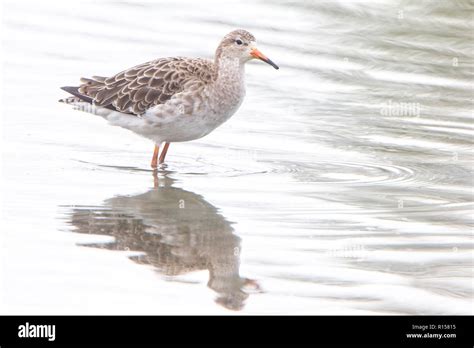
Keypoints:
pixel 343 185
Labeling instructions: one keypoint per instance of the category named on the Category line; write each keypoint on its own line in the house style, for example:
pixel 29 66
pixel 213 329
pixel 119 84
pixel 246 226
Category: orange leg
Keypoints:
pixel 155 178
pixel 154 159
pixel 163 152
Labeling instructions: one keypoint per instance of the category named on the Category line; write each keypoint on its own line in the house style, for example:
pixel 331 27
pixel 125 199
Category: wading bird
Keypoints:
pixel 172 99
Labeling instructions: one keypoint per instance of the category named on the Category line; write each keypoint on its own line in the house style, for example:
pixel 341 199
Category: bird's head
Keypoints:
pixel 240 44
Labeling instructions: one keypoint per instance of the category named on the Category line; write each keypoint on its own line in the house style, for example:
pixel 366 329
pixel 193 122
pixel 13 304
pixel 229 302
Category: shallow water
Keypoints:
pixel 343 185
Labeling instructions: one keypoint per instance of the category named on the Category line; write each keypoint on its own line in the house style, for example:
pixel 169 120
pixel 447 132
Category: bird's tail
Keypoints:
pixel 76 98
pixel 79 101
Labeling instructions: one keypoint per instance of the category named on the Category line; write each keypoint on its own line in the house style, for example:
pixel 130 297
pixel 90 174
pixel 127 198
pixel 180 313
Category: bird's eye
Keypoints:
pixel 238 42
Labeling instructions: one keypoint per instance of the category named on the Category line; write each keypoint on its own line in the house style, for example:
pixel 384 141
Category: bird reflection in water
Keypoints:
pixel 177 231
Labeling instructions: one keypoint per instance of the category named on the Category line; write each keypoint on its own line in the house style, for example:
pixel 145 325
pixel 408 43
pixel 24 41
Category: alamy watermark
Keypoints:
pixel 351 251
pixel 28 330
pixel 408 109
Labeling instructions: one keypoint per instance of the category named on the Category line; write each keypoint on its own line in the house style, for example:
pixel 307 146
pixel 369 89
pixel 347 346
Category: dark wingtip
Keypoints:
pixel 70 89
pixel 75 92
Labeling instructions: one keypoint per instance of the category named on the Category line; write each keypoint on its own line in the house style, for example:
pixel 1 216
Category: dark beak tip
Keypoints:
pixel 273 64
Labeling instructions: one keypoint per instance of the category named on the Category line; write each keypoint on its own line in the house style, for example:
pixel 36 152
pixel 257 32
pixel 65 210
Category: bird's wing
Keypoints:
pixel 135 90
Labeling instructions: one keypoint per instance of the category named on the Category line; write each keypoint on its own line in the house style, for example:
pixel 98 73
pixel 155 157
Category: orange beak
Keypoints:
pixel 259 55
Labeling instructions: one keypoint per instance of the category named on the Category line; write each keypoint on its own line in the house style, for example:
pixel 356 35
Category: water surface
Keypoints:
pixel 343 185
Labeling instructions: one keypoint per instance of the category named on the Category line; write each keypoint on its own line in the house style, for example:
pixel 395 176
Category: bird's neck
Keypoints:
pixel 230 70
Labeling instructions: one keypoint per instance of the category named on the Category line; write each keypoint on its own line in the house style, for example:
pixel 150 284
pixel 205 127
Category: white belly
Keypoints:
pixel 178 121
